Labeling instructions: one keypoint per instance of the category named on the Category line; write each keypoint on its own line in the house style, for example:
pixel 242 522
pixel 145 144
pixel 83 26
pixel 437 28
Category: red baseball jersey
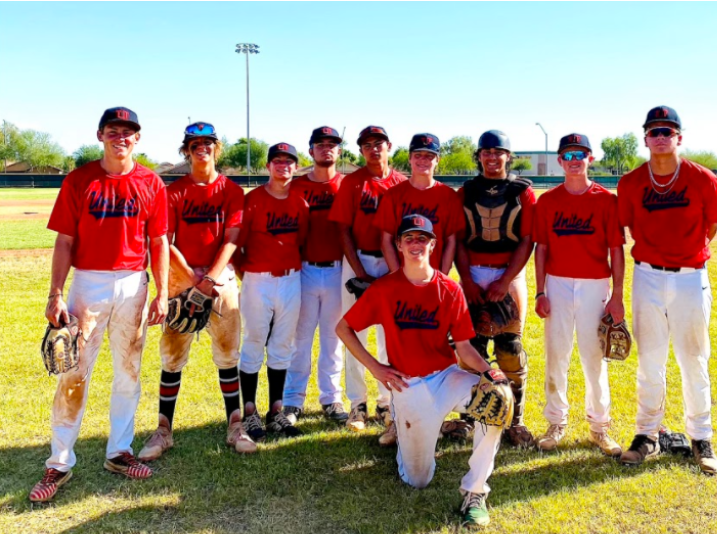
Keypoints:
pixel 357 203
pixel 199 215
pixel 527 202
pixel 416 319
pixel 578 231
pixel 272 232
pixel 110 216
pixel 323 241
pixel 439 203
pixel 669 229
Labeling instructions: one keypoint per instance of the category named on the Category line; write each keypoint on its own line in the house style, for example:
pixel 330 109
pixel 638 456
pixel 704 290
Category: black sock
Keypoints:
pixel 277 378
pixel 229 383
pixel 168 391
pixel 248 383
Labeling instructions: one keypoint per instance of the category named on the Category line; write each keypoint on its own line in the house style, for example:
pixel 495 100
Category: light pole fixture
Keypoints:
pixel 546 137
pixel 247 49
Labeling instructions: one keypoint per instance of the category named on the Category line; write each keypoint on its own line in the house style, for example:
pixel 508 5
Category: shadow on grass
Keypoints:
pixel 329 480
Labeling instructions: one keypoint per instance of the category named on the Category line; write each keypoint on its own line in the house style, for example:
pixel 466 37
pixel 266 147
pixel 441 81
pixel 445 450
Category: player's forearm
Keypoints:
pixel 519 259
pixel 355 347
pixel 711 231
pixel 462 262
pixel 347 243
pixel 389 252
pixel 617 266
pixel 159 256
pixel 61 263
pixel 541 253
pixel 470 357
pixel 449 253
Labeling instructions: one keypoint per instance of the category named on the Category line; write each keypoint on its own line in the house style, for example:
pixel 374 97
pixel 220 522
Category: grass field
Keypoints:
pixel 329 480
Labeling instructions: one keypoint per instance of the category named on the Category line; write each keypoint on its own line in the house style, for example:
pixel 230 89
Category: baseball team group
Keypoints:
pixel 374 248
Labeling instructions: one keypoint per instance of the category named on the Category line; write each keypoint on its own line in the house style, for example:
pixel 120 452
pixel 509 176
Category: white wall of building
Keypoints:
pixel 539 159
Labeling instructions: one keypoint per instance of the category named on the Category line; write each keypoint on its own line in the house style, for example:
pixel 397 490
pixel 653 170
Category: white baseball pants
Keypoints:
pixel 356 389
pixel 576 305
pixel 419 412
pixel 224 328
pixel 269 303
pixel 484 276
pixel 115 301
pixel 679 304
pixel 320 306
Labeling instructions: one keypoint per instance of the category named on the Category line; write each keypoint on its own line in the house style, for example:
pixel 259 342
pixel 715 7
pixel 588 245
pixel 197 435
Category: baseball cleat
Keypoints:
pixel 519 436
pixel 46 489
pixel 474 510
pixel 252 425
pixel 705 457
pixel 160 441
pixel 607 445
pixel 389 437
pixel 357 418
pixel 237 437
pixel 335 412
pixel 549 441
pixel 126 464
pixel 383 414
pixel 293 413
pixel 280 424
pixel 642 447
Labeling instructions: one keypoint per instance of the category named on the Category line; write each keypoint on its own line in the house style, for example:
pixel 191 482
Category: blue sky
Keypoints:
pixel 446 68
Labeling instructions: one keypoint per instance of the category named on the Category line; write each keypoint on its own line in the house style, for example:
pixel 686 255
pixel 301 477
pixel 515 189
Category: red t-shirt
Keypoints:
pixel 272 231
pixel 439 203
pixel 527 202
pixel 669 230
pixel 357 202
pixel 199 215
pixel 110 216
pixel 323 241
pixel 416 319
pixel 578 231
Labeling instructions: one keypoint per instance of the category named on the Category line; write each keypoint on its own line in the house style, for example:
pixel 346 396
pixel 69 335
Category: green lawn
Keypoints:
pixel 22 193
pixel 32 233
pixel 328 481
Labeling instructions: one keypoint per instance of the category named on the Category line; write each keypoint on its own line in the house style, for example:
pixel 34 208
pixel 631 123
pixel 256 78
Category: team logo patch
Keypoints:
pixel 417 221
pixel 572 225
pixel 415 317
pixel 575 139
pixel 327 131
pixel 427 140
pixel 375 130
pixel 652 201
pixel 662 113
pixel 492 191
pixel 283 147
pixel 122 114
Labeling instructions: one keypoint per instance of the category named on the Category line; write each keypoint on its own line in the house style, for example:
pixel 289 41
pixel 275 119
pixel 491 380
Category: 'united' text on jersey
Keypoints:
pixel 201 213
pixel 653 201
pixel 281 224
pixel 415 317
pixel 102 207
pixel 572 225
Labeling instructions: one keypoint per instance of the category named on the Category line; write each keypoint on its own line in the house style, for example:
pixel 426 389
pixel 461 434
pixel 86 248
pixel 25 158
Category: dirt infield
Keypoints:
pixel 28 203
pixel 26 252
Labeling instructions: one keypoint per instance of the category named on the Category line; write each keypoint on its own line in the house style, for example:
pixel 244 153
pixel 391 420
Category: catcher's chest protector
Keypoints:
pixel 493 213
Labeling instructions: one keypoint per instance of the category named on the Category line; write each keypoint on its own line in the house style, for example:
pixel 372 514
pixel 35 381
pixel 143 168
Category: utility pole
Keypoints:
pixel 247 49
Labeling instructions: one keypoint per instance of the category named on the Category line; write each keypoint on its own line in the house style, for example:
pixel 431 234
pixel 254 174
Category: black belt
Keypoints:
pixel 322 263
pixel 666 269
pixel 372 253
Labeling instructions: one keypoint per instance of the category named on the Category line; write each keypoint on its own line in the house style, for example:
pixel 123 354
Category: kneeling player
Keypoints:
pixel 575 226
pixel 418 306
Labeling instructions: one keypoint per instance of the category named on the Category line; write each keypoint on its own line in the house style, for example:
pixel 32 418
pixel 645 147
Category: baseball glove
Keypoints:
pixel 674 442
pixel 492 400
pixel 189 311
pixel 356 287
pixel 60 350
pixel 456 429
pixel 492 318
pixel 615 340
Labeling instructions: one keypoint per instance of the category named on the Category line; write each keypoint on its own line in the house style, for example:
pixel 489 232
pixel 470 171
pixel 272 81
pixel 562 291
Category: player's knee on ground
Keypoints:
pixel 511 357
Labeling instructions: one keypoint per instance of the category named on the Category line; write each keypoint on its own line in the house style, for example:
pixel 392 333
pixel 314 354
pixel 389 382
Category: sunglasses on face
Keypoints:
pixel 663 131
pixel 577 155
pixel 200 128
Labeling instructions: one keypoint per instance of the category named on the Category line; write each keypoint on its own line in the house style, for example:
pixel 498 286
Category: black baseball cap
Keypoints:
pixel 575 140
pixel 282 148
pixel 425 142
pixel 325 132
pixel 416 223
pixel 372 131
pixel 119 114
pixel 663 114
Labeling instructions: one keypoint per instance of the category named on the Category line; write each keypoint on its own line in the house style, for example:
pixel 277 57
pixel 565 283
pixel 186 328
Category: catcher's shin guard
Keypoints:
pixel 513 361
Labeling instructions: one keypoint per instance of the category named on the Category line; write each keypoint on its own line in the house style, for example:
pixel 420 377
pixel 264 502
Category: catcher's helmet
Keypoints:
pixel 494 139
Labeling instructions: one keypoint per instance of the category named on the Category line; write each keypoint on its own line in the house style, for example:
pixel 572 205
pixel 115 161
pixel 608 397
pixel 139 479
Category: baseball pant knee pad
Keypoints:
pixel 513 361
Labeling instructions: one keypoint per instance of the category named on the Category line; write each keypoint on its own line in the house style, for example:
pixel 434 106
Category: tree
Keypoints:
pixel 400 159
pixel 703 157
pixel 38 150
pixel 458 144
pixel 620 152
pixel 143 159
pixel 457 156
pixel 68 164
pixel 8 141
pixel 87 153
pixel 235 155
pixel 347 155
pixel 521 164
pixel 304 160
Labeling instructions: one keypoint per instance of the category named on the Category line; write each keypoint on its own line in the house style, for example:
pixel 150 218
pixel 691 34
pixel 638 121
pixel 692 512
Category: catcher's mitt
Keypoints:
pixel 189 311
pixel 456 429
pixel 492 318
pixel 60 350
pixel 356 287
pixel 615 339
pixel 674 442
pixel 492 401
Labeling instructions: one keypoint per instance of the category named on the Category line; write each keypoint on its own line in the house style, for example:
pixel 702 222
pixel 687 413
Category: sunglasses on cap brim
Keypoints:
pixel 661 131
pixel 577 155
pixel 200 129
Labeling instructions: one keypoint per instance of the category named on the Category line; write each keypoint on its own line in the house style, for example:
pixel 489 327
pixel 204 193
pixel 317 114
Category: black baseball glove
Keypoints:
pixel 189 312
pixel 60 350
pixel 356 287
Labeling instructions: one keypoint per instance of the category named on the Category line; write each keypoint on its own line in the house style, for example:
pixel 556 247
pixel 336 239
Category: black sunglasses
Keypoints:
pixel 663 131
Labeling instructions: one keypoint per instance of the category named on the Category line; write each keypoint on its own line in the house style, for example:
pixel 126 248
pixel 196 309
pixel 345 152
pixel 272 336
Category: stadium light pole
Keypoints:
pixel 247 49
pixel 546 146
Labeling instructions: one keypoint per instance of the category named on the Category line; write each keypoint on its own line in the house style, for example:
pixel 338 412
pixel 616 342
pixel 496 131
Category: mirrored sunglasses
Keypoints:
pixel 663 131
pixel 577 155
pixel 200 129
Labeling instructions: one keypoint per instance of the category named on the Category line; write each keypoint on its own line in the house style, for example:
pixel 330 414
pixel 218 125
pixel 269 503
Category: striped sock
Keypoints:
pixel 229 382
pixel 168 392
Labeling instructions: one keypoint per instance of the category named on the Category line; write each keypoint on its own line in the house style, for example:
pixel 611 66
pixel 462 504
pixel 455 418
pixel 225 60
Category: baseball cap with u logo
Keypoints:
pixel 416 223
pixel 119 114
pixel 282 148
